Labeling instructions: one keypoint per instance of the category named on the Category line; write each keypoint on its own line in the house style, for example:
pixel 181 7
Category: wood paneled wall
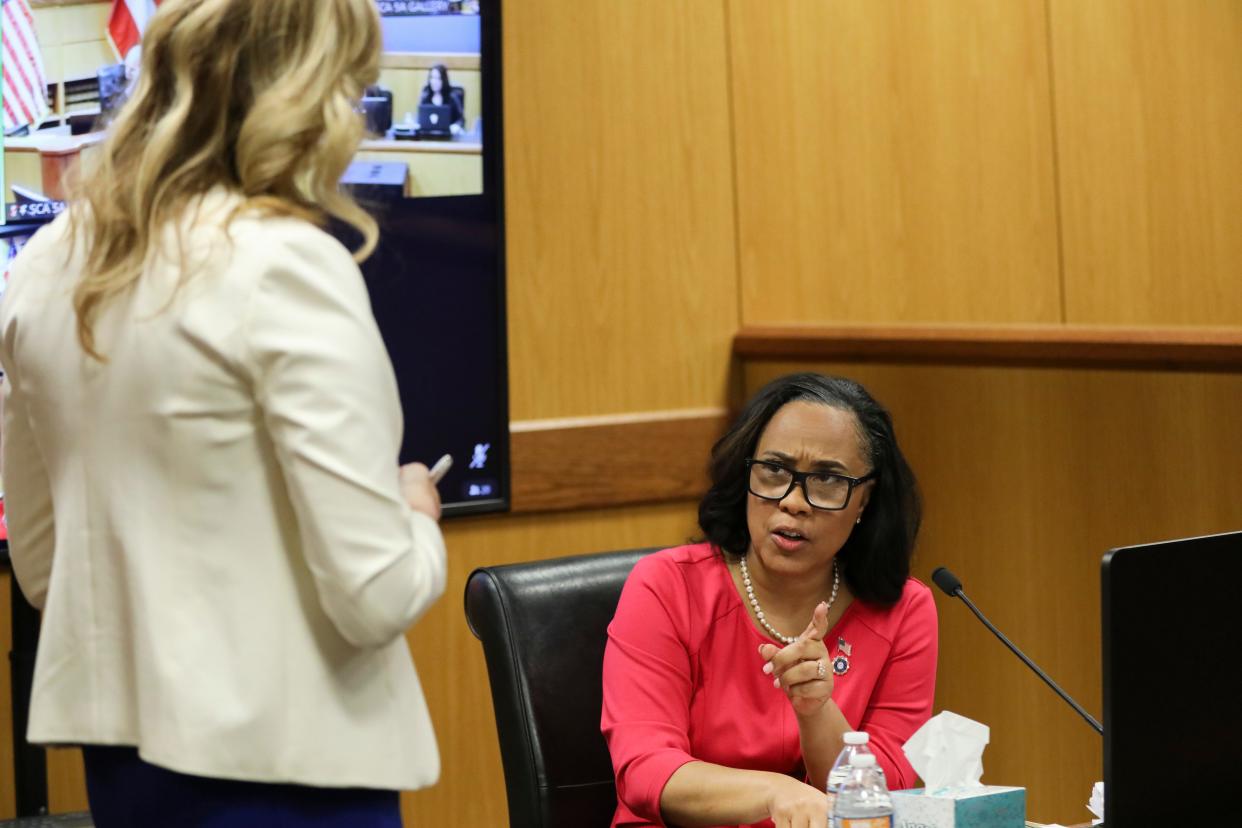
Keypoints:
pixel 622 278
pixel 894 161
pixel 72 38
pixel 1149 126
pixel 678 168
pixel 976 162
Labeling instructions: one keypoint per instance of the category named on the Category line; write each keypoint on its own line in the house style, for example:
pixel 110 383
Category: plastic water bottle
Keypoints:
pixel 855 745
pixel 863 800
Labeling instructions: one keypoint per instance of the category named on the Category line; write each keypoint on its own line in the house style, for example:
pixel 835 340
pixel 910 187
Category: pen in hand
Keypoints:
pixel 441 468
pixel 418 488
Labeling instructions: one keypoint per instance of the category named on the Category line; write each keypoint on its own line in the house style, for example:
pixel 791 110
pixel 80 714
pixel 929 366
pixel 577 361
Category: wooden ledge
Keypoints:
pixel 456 147
pixel 54 145
pixel 597 462
pixel 1062 346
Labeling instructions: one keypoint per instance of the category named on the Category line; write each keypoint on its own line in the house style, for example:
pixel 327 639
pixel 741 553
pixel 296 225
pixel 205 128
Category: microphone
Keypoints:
pixel 951 585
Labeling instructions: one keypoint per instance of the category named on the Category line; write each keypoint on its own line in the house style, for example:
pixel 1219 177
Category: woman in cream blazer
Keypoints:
pixel 201 430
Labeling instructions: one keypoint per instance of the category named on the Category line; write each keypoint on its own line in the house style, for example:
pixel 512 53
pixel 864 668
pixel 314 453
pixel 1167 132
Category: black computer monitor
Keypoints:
pixel 1172 687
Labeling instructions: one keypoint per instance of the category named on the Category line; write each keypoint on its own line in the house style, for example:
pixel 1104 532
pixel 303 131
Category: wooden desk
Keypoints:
pixel 436 168
pixel 40 162
pixel 463 145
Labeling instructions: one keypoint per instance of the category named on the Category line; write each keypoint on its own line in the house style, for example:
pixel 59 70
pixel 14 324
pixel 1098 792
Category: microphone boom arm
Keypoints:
pixel 1090 720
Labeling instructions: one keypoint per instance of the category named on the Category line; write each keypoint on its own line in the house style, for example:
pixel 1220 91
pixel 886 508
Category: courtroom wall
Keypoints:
pixel 72 38
pixel 981 163
pixel 677 169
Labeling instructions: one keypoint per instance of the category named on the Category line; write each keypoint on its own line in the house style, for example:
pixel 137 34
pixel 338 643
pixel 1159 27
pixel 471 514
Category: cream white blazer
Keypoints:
pixel 211 519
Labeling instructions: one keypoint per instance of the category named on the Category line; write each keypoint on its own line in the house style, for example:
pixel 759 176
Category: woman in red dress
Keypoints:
pixel 734 666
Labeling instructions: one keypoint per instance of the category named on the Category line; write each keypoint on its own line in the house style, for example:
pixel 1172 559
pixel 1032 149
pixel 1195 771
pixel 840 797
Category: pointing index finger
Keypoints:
pixel 818 628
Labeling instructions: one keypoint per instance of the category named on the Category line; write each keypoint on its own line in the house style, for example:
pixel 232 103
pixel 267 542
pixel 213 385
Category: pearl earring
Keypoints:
pixel 859 519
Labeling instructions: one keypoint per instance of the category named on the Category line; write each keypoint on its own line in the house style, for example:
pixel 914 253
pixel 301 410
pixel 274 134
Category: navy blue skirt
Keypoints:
pixel 126 792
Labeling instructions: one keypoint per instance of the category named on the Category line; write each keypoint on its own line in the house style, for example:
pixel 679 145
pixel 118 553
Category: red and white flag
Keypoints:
pixel 127 23
pixel 25 84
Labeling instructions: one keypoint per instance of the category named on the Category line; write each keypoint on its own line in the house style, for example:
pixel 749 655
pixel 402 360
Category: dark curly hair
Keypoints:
pixel 875 559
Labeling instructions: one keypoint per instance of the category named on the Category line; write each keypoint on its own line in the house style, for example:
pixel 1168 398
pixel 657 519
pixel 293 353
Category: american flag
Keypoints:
pixel 25 84
pixel 127 23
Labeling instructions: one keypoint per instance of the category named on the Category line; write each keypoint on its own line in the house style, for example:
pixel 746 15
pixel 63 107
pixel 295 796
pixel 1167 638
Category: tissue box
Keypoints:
pixel 989 806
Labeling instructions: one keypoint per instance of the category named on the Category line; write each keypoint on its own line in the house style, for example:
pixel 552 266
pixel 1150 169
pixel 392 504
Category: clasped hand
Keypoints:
pixel 802 668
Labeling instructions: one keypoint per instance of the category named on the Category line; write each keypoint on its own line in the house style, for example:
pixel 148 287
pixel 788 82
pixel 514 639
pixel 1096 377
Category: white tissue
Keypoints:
pixel 947 752
pixel 1096 803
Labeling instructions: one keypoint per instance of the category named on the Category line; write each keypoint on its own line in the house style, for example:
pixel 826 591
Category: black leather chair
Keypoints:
pixel 543 626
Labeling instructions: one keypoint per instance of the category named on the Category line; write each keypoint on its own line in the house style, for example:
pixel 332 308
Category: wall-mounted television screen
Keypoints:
pixel 430 169
pixel 437 279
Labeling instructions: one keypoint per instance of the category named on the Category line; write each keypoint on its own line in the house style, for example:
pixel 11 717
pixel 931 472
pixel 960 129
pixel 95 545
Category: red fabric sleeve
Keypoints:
pixel 648 684
pixel 902 700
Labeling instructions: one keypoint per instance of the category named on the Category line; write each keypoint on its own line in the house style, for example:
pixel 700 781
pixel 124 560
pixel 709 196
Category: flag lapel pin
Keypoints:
pixel 841 662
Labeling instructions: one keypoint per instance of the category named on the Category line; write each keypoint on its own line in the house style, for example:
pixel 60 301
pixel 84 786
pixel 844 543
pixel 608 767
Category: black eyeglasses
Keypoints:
pixel 822 490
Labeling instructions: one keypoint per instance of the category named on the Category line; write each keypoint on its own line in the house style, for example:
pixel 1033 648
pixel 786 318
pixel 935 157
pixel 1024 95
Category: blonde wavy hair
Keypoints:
pixel 257 96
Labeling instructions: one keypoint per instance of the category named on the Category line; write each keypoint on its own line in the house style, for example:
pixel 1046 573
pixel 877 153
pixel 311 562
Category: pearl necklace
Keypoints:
pixel 754 602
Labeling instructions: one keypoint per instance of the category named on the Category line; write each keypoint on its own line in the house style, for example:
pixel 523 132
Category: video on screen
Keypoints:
pixel 436 277
pixel 424 117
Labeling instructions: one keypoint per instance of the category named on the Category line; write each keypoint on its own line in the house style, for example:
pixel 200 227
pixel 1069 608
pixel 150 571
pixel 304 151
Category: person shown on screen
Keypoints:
pixel 439 92
pixel 201 432
pixel 734 666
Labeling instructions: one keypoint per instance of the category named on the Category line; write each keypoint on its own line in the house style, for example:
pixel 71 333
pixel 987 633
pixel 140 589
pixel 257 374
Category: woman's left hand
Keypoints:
pixel 802 669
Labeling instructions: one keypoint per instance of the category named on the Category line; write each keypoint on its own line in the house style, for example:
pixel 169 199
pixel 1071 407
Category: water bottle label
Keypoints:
pixel 866 822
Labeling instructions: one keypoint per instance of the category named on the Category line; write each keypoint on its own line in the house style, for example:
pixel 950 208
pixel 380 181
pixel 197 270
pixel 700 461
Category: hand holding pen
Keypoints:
pixel 418 485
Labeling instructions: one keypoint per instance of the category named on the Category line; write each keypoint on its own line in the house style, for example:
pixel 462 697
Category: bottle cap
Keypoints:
pixel 855 737
pixel 864 760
